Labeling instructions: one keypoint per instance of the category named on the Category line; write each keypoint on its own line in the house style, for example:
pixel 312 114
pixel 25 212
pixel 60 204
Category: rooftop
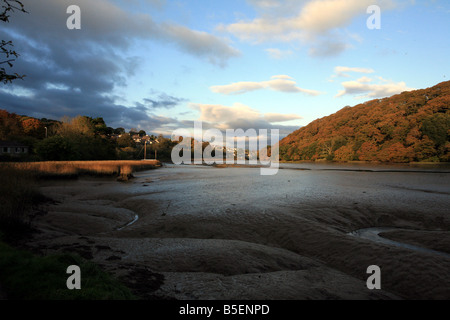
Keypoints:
pixel 11 144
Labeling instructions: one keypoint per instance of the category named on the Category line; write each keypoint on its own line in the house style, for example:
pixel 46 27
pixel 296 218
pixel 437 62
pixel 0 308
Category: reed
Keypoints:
pixel 73 169
pixel 18 194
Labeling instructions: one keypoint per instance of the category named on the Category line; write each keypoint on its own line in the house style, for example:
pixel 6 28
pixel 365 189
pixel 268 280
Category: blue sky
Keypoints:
pixel 160 65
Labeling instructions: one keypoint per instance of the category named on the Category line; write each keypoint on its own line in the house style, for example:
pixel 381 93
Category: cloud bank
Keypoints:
pixel 240 116
pixel 315 23
pixel 77 72
pixel 280 83
pixel 366 88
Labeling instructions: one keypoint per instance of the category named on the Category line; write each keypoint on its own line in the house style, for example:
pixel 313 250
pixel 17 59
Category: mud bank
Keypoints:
pixel 229 233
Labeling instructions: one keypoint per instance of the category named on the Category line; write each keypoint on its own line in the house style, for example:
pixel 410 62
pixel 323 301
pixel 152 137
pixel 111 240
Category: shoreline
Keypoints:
pixel 339 166
pixel 381 163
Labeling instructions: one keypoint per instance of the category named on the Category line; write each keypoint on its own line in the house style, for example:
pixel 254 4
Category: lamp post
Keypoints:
pixel 145 150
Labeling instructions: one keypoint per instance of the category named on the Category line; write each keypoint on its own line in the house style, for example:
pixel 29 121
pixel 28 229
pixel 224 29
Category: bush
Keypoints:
pixel 55 148
pixel 28 277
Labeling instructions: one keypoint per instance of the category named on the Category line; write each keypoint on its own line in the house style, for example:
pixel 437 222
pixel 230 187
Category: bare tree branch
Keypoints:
pixel 6 7
pixel 10 6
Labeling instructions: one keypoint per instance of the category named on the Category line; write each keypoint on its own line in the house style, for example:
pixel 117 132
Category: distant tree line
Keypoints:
pixel 80 138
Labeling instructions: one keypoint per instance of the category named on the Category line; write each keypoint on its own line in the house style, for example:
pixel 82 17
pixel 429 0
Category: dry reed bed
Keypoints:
pixel 54 169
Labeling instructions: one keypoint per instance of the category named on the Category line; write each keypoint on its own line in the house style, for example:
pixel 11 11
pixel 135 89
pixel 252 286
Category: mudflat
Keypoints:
pixel 200 232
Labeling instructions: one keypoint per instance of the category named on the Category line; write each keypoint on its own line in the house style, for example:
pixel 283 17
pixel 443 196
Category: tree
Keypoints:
pixel 109 131
pixel 142 133
pixel 344 153
pixel 119 131
pixel 163 148
pixel 368 151
pixel 436 127
pixel 126 141
pixel 33 127
pixel 99 125
pixel 76 127
pixel 56 148
pixel 395 152
pixel 10 125
pixel 425 149
pixel 85 144
pixel 327 150
pixel 5 46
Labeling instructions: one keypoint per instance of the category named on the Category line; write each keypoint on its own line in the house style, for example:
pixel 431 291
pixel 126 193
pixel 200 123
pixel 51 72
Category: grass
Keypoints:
pixel 25 276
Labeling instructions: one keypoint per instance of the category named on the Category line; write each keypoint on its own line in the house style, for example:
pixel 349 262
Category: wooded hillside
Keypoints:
pixel 411 126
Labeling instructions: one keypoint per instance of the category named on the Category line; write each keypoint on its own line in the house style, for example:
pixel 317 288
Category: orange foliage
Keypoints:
pixel 396 152
pixel 368 152
pixel 344 153
pixel 32 127
pixel 411 126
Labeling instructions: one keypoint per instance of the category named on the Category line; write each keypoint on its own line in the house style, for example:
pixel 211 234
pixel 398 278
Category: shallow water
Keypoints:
pixel 373 234
pixel 195 189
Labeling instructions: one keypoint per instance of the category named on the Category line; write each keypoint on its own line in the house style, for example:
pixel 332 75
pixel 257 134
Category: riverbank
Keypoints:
pixel 19 194
pixel 123 169
pixel 229 233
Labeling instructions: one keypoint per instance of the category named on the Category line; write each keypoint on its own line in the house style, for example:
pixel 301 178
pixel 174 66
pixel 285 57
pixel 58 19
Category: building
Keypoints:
pixel 13 148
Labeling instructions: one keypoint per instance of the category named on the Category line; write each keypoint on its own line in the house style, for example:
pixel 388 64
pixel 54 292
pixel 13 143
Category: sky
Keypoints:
pixel 160 65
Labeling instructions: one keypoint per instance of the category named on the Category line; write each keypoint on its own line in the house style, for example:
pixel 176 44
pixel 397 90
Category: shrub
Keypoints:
pixel 28 277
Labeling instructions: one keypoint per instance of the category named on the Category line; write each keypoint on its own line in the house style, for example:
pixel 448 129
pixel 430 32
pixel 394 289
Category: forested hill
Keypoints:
pixel 411 126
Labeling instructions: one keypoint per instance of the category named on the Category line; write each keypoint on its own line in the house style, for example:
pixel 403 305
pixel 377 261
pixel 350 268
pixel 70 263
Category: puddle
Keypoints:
pixel 136 217
pixel 373 234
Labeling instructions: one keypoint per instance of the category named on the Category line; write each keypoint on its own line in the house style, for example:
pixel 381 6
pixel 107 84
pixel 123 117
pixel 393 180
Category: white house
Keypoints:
pixel 13 148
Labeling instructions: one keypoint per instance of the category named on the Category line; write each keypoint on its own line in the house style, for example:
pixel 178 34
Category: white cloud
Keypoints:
pixel 240 116
pixel 200 43
pixel 281 83
pixel 315 22
pixel 364 79
pixel 366 88
pixel 282 76
pixel 223 114
pixel 277 117
pixel 342 71
pixel 315 17
pixel 278 54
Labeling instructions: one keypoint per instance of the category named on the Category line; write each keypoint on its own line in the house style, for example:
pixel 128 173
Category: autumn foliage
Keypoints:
pixel 411 126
